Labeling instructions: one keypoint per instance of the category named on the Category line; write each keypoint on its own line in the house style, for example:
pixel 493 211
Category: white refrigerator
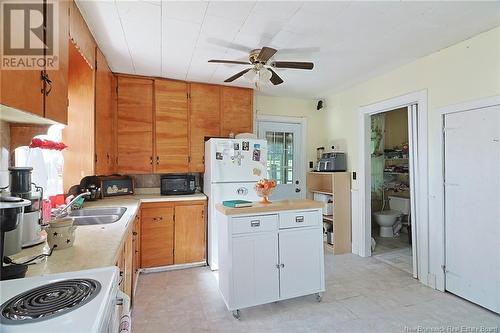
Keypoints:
pixel 232 167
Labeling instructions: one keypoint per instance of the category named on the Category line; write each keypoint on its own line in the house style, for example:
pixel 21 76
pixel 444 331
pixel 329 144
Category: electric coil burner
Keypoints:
pixel 49 301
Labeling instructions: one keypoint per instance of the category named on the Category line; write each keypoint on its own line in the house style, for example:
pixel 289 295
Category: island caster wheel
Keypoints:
pixel 319 297
pixel 236 314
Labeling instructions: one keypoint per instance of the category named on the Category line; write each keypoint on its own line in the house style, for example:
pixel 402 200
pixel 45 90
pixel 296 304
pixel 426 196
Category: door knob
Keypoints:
pixel 297 190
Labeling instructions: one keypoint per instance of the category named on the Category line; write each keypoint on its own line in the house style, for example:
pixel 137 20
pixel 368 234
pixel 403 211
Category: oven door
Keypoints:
pixel 118 319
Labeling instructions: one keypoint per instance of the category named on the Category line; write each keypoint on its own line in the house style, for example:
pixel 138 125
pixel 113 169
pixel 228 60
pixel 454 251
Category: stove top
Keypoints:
pixel 48 301
pixel 64 302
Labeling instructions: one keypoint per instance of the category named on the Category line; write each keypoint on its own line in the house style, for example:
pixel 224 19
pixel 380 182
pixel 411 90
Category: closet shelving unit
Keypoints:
pixel 338 185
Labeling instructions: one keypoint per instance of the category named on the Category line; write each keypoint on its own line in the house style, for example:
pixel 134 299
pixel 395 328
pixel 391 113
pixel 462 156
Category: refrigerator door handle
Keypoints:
pixel 242 191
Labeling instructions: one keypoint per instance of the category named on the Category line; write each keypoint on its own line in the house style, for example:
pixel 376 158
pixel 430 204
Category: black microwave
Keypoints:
pixel 177 184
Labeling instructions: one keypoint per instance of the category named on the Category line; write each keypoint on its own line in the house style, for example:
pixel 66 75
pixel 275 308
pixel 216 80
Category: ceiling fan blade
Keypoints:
pixel 265 54
pixel 218 61
pixel 237 75
pixel 293 64
pixel 275 79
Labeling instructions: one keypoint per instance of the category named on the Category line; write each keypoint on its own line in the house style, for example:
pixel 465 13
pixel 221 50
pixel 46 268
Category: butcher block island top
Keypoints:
pixel 275 206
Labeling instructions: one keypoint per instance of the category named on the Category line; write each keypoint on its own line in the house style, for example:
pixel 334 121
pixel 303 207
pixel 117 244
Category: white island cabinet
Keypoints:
pixel 270 252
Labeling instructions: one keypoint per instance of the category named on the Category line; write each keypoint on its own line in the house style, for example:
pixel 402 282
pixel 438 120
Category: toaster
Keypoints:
pixel 330 162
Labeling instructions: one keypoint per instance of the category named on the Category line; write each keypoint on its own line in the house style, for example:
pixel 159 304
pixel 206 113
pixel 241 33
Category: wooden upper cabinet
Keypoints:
pixel 134 125
pixel 157 236
pixel 21 89
pixel 105 111
pixel 236 110
pixel 171 126
pixel 56 101
pixel 204 121
pixel 190 233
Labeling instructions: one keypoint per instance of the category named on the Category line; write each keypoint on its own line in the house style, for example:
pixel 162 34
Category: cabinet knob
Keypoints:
pixel 151 160
pixel 157 160
pixel 134 233
pixel 282 265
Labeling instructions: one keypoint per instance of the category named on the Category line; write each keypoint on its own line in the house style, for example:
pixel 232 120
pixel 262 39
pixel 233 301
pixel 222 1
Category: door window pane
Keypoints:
pixel 280 156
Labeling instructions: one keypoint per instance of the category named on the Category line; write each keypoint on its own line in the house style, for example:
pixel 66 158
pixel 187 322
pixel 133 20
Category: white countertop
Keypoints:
pixel 95 245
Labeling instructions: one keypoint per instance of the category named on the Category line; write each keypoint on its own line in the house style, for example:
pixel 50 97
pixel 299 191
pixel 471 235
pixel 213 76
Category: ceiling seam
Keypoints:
pixel 125 37
pixel 197 39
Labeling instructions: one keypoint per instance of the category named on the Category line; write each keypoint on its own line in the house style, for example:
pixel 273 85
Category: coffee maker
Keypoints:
pixel 11 216
pixel 29 232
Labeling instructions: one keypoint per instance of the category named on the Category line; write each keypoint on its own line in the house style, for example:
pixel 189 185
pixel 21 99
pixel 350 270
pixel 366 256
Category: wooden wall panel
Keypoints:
pixel 79 134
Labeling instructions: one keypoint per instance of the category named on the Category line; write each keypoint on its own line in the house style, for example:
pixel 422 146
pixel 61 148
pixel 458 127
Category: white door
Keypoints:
pixel 301 259
pixel 472 205
pixel 255 271
pixel 285 158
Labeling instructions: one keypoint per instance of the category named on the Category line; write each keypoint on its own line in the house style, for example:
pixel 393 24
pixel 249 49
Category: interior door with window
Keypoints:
pixel 285 158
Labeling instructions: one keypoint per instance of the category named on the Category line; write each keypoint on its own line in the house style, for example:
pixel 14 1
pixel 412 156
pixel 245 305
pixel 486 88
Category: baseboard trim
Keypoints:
pixel 172 267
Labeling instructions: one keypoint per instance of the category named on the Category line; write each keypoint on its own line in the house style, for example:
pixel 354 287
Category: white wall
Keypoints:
pixel 316 135
pixel 466 71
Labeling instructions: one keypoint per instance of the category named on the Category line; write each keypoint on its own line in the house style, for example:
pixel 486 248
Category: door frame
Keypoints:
pixel 472 105
pixel 302 121
pixel 361 230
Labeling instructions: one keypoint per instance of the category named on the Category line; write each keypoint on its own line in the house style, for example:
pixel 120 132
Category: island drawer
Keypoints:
pixel 257 223
pixel 299 219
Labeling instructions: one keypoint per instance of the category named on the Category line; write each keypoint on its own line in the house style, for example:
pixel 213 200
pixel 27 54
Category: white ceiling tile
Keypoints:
pixel 234 10
pixel 348 41
pixel 191 11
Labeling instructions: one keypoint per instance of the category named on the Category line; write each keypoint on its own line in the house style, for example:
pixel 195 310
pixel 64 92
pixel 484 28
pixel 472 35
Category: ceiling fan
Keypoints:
pixel 261 70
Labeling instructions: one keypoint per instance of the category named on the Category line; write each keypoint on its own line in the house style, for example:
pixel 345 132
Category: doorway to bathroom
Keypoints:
pixel 415 104
pixel 391 224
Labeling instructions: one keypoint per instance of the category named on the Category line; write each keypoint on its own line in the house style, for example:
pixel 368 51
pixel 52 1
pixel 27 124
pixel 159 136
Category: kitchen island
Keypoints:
pixel 270 252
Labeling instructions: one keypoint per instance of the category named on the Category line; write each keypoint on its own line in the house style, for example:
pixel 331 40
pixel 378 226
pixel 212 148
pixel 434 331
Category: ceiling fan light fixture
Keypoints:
pixel 265 75
pixel 251 75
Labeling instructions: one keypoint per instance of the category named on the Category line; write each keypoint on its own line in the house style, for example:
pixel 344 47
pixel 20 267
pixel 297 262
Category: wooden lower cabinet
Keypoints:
pixel 172 233
pixel 124 262
pixel 157 235
pixel 189 235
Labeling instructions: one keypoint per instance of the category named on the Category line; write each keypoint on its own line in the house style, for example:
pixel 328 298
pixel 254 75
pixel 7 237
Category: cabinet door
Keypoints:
pixel 204 121
pixel 171 126
pixel 190 233
pixel 236 110
pixel 22 89
pixel 301 259
pixel 56 101
pixel 157 236
pixel 104 116
pixel 128 269
pixel 135 125
pixel 136 243
pixel 255 272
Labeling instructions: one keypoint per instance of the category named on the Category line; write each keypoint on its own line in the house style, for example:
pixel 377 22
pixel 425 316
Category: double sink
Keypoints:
pixel 93 216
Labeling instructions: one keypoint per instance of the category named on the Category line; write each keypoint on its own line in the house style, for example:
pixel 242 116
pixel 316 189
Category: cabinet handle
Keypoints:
pixel 299 219
pixel 282 265
pixel 255 223
pixel 158 219
pixel 134 233
pixel 151 160
pixel 278 266
pixel 48 82
pixel 157 160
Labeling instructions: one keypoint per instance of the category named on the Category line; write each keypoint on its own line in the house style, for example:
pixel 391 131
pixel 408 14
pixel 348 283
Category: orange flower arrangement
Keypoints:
pixel 264 188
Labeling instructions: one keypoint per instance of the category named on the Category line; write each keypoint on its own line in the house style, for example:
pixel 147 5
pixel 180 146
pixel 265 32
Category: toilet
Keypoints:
pixel 385 219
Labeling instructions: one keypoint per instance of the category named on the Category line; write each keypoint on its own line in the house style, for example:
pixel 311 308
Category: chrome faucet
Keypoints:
pixel 63 210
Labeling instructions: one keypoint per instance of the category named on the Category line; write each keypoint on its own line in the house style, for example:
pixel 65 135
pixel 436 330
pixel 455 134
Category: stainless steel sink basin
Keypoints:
pixel 99 211
pixel 93 216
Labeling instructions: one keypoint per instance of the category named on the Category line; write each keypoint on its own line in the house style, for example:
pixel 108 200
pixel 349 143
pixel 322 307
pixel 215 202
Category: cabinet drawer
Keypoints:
pixel 258 223
pixel 299 219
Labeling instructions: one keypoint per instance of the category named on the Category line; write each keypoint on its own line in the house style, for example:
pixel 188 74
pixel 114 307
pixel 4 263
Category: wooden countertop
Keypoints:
pixel 275 206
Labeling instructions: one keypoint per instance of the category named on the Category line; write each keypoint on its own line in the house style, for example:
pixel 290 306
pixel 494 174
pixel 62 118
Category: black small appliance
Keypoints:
pixel 177 184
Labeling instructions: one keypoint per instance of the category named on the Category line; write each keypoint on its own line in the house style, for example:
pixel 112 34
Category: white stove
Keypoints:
pixel 83 301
